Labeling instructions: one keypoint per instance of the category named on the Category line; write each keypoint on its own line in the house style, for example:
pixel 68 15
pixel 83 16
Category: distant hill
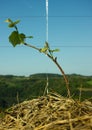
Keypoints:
pixel 44 75
pixel 14 89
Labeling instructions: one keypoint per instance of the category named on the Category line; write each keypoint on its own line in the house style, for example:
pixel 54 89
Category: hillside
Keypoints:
pixel 14 89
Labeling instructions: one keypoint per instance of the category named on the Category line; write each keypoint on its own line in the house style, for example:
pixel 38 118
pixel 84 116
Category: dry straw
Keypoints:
pixel 51 112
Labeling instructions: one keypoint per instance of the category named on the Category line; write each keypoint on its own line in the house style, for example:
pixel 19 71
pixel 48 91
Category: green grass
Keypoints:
pixel 89 82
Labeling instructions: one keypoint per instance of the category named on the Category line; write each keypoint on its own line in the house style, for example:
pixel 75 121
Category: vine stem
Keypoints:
pixel 29 45
pixel 57 64
pixel 62 72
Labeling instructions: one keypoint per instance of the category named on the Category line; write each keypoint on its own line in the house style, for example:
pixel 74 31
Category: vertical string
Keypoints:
pixel 47 20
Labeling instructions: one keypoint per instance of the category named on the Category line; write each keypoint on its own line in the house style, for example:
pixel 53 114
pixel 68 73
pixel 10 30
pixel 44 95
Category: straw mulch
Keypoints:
pixel 51 112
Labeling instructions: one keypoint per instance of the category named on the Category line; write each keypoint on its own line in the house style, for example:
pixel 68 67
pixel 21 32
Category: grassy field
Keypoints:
pixel 89 82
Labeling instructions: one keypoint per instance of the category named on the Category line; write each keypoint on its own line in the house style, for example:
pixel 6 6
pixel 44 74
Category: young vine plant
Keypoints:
pixel 17 38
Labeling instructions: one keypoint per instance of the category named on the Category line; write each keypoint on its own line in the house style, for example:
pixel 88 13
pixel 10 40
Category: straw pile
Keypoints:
pixel 51 112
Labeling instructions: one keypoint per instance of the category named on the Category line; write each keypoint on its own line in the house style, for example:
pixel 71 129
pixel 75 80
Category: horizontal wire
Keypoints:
pixel 45 16
pixel 54 46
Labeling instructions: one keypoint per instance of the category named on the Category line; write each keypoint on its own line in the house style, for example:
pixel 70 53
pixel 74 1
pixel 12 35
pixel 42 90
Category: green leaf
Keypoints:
pixel 16 22
pixel 46 48
pixel 55 50
pixel 47 45
pixel 11 25
pixel 29 36
pixel 22 37
pixel 14 38
pixel 8 20
pixel 43 49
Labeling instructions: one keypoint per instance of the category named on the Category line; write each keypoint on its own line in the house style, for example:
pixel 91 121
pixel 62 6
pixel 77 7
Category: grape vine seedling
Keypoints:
pixel 16 38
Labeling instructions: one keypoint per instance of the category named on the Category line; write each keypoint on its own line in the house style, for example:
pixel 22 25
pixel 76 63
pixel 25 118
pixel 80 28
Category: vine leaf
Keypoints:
pixel 11 23
pixel 15 38
pixel 22 37
pixel 29 36
pixel 45 48
pixel 8 20
pixel 16 22
pixel 55 50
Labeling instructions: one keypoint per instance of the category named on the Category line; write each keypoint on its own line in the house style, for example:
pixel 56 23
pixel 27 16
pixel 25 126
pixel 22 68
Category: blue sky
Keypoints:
pixel 70 30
